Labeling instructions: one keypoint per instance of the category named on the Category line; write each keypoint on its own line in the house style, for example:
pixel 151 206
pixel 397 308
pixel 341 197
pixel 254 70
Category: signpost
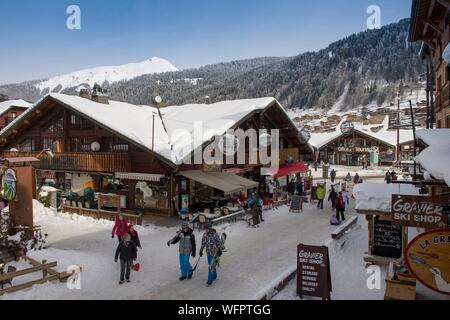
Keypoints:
pixel 313 272
pixel 428 258
pixel 419 211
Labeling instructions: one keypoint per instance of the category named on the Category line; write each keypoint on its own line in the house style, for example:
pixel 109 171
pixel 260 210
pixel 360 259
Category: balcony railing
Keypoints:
pixel 90 162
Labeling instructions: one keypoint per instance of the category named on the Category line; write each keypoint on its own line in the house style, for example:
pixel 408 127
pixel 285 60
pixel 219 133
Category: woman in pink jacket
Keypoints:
pixel 121 227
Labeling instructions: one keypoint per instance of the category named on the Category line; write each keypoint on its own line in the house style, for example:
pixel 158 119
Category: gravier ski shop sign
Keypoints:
pixel 313 272
pixel 419 211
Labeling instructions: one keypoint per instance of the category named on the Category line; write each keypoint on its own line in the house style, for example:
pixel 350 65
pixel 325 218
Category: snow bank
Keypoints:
pixel 435 160
pixel 378 197
pixel 434 136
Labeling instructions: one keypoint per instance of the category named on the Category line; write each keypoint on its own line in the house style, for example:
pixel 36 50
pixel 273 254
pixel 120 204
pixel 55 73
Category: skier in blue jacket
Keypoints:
pixel 186 239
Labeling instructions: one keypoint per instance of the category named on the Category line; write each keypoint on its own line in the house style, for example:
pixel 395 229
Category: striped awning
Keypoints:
pixel 139 176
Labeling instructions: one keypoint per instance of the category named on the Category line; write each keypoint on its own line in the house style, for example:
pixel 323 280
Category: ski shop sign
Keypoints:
pixel 313 272
pixel 419 211
pixel 428 258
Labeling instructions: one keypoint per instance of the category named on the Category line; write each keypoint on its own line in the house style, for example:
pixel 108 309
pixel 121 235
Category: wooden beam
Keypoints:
pixel 28 285
pixel 16 274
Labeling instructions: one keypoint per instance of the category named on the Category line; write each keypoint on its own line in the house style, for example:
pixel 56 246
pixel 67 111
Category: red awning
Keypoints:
pixel 285 170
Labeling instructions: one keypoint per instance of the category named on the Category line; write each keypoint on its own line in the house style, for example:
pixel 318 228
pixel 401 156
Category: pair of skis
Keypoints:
pixel 216 259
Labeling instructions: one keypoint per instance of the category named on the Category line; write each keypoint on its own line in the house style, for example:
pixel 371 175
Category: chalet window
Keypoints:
pixel 114 144
pixel 80 144
pixel 78 122
pixel 14 115
pixel 28 145
pixel 56 127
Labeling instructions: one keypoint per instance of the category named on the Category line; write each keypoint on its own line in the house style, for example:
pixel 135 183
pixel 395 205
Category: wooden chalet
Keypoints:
pixel 134 152
pixel 430 24
pixel 10 110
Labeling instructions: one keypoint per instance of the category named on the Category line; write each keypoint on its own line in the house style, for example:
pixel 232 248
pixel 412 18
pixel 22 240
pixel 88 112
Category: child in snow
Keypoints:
pixel 211 241
pixel 186 239
pixel 121 227
pixel 134 236
pixel 334 221
pixel 127 253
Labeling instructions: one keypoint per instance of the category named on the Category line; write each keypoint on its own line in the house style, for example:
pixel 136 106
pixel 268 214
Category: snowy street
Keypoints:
pixel 254 257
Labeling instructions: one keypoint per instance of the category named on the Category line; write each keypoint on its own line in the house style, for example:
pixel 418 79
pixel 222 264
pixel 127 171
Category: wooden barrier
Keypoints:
pixel 102 214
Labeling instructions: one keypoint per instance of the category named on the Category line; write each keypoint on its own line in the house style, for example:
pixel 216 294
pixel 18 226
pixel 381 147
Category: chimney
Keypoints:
pixel 84 93
pixel 99 95
pixel 3 97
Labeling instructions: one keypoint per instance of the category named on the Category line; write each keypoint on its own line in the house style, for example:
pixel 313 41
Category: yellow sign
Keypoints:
pixel 428 258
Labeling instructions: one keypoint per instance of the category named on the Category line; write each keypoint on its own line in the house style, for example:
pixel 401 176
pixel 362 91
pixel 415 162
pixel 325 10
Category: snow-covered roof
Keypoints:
pixel 319 140
pixel 436 158
pixel 378 197
pixel 434 136
pixel 174 130
pixel 6 105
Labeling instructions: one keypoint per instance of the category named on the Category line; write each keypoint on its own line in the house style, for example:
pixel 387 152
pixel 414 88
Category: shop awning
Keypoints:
pixel 285 170
pixel 225 182
pixel 139 176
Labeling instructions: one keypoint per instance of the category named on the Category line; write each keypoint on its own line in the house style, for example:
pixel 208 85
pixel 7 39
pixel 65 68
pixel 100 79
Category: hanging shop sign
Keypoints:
pixel 428 258
pixel 313 272
pixel 347 127
pixel 419 211
pixel 9 184
pixel 354 149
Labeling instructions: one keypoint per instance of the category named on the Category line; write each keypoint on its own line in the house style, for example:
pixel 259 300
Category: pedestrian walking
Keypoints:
pixel 340 207
pixel 120 227
pixel 134 236
pixel 320 193
pixel 211 242
pixel 187 248
pixel 127 253
pixel 332 197
pixel 333 175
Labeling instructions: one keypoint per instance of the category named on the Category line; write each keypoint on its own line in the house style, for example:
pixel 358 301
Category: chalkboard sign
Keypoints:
pixel 313 272
pixel 388 239
pixel 296 204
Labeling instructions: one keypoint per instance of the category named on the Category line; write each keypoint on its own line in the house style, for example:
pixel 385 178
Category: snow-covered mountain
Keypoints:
pixel 110 74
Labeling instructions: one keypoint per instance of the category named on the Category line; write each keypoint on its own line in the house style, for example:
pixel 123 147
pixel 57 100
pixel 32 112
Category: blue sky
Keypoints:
pixel 35 43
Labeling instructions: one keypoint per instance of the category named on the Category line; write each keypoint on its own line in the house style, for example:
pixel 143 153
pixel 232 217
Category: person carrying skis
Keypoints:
pixel 320 193
pixel 332 197
pixel 127 253
pixel 187 248
pixel 340 207
pixel 121 227
pixel 134 236
pixel 211 242
pixel 333 175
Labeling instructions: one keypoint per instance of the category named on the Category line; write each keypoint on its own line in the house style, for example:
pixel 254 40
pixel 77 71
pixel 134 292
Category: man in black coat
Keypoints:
pixel 332 197
pixel 127 253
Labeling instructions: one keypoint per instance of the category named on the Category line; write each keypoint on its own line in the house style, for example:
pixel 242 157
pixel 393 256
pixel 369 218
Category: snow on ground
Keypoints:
pixel 349 274
pixel 253 259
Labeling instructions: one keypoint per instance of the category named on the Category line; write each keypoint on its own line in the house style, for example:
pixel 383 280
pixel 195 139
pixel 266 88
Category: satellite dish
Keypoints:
pixel 347 127
pixel 304 135
pixel 158 100
pixel 95 146
pixel 446 54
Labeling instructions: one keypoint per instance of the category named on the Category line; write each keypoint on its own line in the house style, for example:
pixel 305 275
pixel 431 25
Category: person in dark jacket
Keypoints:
pixel 300 187
pixel 291 187
pixel 127 253
pixel 356 179
pixel 340 207
pixel 187 248
pixel 332 197
pixel 134 236
pixel 333 175
pixel 211 242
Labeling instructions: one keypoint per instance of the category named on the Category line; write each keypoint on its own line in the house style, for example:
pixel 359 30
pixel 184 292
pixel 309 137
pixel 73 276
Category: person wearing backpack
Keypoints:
pixel 340 207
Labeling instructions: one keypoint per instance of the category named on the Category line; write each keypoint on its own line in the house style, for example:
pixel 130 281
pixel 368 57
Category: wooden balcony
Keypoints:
pixel 85 162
